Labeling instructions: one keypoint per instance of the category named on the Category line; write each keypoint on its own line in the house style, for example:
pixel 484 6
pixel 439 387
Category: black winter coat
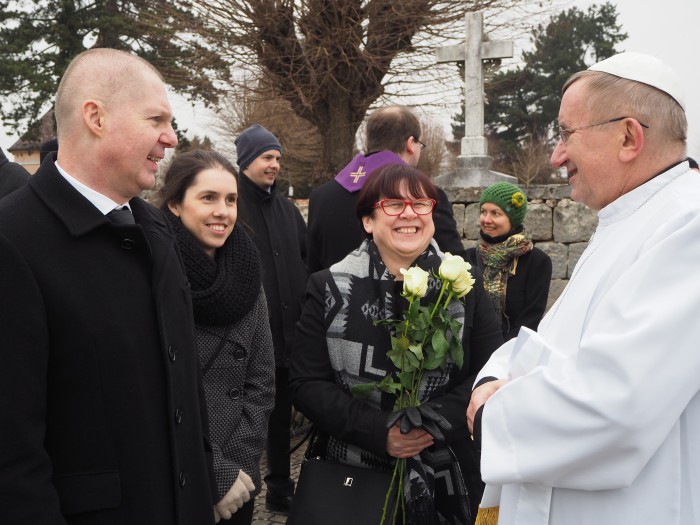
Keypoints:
pixel 100 395
pixel 527 290
pixel 279 232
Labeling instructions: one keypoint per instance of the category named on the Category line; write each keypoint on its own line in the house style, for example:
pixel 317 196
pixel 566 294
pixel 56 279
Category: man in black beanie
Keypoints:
pixel 279 232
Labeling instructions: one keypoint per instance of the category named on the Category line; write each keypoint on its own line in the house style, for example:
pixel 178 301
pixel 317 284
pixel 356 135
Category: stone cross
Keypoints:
pixel 473 52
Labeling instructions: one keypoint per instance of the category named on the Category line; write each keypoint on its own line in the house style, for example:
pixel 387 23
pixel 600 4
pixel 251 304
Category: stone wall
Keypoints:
pixel 559 226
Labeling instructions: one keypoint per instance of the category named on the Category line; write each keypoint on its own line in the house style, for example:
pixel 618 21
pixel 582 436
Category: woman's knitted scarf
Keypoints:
pixel 361 290
pixel 225 287
pixel 499 256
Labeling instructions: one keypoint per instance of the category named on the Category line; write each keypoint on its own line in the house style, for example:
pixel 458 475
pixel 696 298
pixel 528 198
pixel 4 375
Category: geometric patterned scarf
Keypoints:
pixel 360 291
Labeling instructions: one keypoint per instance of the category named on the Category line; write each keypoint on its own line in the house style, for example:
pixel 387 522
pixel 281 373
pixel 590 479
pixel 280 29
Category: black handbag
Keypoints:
pixel 335 493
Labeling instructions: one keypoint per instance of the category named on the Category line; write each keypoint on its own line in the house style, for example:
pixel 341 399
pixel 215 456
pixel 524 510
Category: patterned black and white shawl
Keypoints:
pixel 360 291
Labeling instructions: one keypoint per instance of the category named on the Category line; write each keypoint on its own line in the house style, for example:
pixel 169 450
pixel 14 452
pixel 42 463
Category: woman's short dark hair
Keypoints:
pixel 184 169
pixel 385 183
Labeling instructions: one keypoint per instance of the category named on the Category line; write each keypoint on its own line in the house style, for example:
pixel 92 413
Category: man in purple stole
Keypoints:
pixel 393 137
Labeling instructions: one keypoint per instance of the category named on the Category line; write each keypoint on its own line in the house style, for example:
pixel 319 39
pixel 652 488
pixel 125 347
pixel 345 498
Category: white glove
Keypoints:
pixel 238 494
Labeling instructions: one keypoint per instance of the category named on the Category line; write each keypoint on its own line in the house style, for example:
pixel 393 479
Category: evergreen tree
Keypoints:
pixel 523 103
pixel 38 39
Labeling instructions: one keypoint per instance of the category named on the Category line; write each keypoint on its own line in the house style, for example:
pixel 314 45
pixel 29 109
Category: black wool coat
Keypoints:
pixel 527 290
pixel 279 232
pixel 100 391
pixel 335 230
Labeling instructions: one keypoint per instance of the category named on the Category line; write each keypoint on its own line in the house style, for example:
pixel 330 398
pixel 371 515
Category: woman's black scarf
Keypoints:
pixel 224 288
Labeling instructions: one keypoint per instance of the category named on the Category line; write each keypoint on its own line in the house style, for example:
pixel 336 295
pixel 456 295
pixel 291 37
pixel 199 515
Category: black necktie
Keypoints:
pixel 121 215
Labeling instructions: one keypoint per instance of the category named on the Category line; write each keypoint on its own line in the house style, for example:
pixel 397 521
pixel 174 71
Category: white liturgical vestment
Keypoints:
pixel 599 422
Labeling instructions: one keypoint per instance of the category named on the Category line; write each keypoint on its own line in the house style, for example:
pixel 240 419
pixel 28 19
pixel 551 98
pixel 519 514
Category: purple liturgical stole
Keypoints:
pixel 354 175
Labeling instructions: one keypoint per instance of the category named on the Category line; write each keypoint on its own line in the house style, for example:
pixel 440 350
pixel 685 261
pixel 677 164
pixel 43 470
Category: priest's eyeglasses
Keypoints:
pixel 565 133
pixel 393 207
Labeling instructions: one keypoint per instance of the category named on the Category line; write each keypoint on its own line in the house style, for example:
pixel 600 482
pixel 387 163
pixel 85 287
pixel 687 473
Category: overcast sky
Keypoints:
pixel 668 30
pixel 665 29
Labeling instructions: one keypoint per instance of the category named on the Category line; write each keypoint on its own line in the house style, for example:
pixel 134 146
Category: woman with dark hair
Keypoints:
pixel 338 345
pixel 199 197
pixel 516 274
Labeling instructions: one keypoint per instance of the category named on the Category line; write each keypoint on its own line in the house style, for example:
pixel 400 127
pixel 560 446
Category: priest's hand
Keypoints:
pixel 480 395
pixel 407 445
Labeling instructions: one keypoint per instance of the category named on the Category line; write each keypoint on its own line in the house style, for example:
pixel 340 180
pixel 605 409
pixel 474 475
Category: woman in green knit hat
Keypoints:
pixel 516 275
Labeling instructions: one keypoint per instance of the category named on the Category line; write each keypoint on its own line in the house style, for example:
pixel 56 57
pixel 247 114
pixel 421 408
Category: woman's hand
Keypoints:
pixel 400 445
pixel 480 395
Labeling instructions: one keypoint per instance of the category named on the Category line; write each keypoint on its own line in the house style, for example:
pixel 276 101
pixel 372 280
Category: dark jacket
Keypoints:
pixel 100 394
pixel 527 290
pixel 335 230
pixel 12 175
pixel 278 230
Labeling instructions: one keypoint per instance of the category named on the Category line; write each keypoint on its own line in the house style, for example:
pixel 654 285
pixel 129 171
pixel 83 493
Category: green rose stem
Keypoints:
pixel 400 466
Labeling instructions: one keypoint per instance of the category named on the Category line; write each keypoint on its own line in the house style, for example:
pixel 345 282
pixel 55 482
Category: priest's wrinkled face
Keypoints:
pixel 588 148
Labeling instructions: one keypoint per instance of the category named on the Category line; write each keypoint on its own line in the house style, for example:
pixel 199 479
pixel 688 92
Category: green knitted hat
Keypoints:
pixel 509 198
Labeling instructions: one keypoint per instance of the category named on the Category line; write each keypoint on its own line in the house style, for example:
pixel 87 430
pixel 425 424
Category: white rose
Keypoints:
pixel 415 282
pixel 453 267
pixel 463 285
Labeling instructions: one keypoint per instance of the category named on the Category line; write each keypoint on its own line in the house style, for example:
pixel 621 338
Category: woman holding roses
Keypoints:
pixel 340 346
pixel 516 275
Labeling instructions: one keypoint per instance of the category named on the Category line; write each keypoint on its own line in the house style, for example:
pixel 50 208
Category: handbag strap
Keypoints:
pixel 317 443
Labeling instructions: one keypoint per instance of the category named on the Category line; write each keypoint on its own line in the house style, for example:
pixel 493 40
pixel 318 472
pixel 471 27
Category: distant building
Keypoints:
pixel 26 149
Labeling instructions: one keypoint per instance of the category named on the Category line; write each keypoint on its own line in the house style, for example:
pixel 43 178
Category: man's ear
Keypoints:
pixel 411 145
pixel 633 141
pixel 94 117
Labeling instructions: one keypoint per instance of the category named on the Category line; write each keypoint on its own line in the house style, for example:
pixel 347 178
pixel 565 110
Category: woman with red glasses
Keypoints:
pixel 338 345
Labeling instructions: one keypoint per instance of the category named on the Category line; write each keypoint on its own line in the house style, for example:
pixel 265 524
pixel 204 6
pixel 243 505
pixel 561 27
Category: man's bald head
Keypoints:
pixel 104 75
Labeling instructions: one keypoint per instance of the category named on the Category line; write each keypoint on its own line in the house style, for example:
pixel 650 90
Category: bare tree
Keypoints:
pixel 434 155
pixel 332 60
pixel 530 164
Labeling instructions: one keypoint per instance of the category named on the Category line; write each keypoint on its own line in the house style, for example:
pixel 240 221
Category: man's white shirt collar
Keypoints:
pixel 101 202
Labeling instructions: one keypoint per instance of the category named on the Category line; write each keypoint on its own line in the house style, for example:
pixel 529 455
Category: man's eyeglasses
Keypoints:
pixel 423 146
pixel 393 207
pixel 565 133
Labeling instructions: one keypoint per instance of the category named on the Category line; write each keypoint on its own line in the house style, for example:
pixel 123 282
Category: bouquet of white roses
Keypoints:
pixel 421 341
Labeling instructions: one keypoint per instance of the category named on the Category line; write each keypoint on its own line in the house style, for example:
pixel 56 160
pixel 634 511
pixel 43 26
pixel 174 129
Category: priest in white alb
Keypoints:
pixel 595 418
